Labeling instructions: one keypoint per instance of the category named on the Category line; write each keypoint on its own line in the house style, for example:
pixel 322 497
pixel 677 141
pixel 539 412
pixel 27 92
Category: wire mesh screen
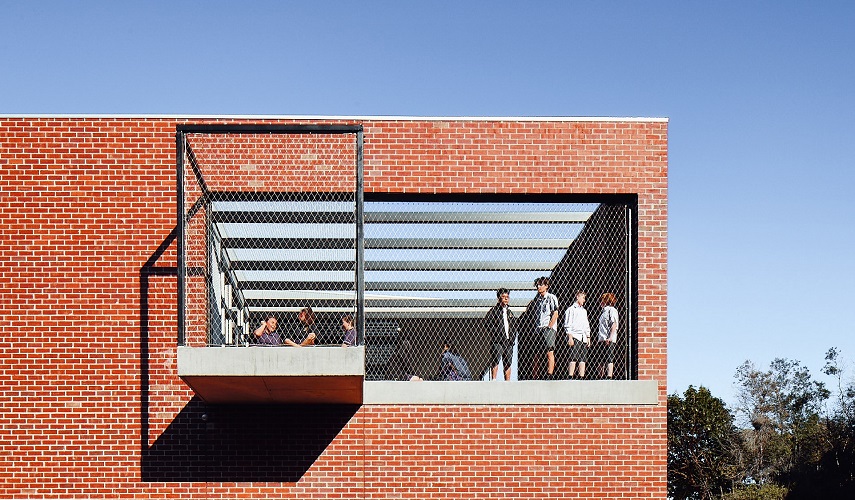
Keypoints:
pixel 271 246
pixel 269 238
pixel 434 270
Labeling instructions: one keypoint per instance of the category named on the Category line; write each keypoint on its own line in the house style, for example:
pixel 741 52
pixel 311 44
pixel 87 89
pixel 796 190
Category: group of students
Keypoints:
pixel 540 336
pixel 503 329
pixel 267 333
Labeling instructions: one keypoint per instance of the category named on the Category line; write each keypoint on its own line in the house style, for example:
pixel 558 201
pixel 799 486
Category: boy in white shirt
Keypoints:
pixel 578 335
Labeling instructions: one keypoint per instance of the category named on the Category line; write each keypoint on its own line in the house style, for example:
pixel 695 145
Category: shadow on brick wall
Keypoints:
pixel 239 443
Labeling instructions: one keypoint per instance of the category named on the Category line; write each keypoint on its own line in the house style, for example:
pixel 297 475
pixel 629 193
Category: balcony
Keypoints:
pixel 263 375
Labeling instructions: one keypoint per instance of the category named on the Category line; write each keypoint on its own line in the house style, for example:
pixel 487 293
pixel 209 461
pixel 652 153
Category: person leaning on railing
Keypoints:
pixel 267 334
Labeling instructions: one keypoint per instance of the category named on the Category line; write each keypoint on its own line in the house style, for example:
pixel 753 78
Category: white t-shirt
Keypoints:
pixel 608 318
pixel 576 322
pixel 546 306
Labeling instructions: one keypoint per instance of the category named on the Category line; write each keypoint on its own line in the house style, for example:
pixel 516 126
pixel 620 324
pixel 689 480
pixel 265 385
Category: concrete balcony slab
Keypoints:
pixel 265 375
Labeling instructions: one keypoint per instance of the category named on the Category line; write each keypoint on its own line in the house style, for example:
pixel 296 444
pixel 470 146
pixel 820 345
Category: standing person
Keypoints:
pixel 307 319
pixel 607 335
pixel 347 324
pixel 578 334
pixel 546 318
pixel 266 334
pixel 501 327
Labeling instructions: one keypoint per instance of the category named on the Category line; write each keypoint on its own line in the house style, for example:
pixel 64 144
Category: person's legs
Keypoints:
pixel 498 352
pixel 582 358
pixel 576 357
pixel 549 340
pixel 507 355
pixel 610 367
pixel 599 359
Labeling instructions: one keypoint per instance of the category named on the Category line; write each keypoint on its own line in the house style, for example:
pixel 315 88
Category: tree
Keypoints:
pixel 704 449
pixel 832 475
pixel 845 401
pixel 781 409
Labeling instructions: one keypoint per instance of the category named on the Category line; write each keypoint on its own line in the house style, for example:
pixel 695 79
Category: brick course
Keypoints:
pixel 90 403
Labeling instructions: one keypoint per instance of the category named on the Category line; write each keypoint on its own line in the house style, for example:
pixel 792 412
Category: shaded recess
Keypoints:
pixel 238 443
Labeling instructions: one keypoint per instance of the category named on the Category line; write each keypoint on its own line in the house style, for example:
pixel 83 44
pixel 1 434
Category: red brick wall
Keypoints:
pixel 90 403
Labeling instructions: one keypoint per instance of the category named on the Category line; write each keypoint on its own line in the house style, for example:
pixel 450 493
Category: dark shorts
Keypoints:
pixel 604 353
pixel 547 335
pixel 503 351
pixel 578 352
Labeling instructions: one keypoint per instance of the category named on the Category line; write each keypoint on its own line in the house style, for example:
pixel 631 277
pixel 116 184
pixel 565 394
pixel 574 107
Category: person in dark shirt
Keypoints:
pixel 266 334
pixel 500 325
pixel 347 324
pixel 307 319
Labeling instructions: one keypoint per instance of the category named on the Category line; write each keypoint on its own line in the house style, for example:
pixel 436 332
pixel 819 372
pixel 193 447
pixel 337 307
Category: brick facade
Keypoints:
pixel 90 402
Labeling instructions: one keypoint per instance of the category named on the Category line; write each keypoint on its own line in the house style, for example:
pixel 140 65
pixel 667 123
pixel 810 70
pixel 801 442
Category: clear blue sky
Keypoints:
pixel 760 96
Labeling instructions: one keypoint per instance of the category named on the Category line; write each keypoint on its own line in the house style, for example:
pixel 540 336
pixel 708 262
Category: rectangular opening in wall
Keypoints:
pixel 433 266
pixel 274 223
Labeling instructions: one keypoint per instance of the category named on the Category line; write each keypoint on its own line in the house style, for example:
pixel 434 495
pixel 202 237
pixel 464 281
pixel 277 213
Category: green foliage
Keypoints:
pixel 782 406
pixel 757 492
pixel 845 401
pixel 829 471
pixel 788 443
pixel 703 445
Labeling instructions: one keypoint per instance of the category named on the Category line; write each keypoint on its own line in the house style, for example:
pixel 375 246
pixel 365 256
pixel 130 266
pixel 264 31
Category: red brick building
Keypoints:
pixel 91 402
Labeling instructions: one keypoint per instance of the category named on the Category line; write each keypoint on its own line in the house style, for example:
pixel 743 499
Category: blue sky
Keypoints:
pixel 759 97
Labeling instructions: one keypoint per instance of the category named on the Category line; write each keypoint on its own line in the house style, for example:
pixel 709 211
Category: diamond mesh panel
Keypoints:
pixel 270 230
pixel 433 270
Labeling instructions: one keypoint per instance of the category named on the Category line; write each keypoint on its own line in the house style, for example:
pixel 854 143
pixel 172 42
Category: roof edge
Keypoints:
pixel 341 117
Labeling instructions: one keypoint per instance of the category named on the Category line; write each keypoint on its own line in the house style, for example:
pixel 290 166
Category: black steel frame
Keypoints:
pixel 182 149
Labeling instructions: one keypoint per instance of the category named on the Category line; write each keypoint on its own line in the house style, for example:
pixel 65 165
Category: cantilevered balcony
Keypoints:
pixel 274 374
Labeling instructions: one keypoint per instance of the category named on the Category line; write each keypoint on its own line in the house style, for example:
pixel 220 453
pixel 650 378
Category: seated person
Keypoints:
pixel 348 325
pixel 452 365
pixel 307 319
pixel 266 334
